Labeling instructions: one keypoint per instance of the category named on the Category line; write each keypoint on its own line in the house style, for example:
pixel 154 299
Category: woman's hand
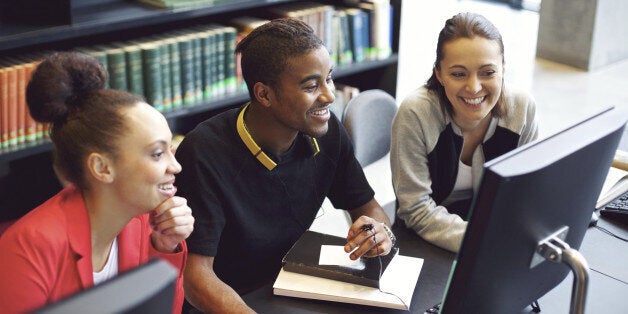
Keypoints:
pixel 172 222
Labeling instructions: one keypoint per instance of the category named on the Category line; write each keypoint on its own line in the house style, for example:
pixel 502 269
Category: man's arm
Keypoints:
pixel 373 241
pixel 205 291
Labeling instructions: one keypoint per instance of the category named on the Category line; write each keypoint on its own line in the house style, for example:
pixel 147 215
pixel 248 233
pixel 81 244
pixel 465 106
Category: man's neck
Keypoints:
pixel 267 132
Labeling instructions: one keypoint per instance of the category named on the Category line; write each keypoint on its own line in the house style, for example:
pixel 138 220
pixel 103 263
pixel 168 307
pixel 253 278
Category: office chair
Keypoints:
pixel 368 120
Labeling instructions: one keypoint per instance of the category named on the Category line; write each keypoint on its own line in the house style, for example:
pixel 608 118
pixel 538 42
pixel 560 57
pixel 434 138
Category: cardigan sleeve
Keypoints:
pixel 411 129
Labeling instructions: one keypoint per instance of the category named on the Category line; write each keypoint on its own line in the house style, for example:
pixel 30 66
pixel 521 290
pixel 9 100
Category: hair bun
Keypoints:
pixel 60 82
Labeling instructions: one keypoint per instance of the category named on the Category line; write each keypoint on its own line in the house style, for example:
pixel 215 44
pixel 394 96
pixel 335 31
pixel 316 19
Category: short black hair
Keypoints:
pixel 266 50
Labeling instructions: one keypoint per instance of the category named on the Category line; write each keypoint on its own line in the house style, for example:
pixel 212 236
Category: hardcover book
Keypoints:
pixel 304 257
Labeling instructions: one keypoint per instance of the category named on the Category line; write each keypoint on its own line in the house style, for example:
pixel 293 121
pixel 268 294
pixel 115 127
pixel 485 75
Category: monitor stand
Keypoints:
pixel 555 249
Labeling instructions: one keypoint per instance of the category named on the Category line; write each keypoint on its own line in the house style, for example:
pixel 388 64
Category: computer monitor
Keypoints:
pixel 149 288
pixel 526 196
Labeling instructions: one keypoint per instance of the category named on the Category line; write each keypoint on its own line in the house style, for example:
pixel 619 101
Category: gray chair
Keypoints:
pixel 368 120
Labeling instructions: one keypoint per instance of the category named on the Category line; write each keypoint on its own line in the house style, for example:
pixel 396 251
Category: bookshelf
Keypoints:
pixel 25 170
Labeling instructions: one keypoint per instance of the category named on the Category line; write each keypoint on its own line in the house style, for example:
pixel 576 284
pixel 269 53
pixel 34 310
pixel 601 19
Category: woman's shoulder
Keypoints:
pixel 422 103
pixel 519 99
pixel 46 225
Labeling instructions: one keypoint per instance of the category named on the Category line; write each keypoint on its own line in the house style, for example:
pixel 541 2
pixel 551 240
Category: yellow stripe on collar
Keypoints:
pixel 255 149
pixel 250 142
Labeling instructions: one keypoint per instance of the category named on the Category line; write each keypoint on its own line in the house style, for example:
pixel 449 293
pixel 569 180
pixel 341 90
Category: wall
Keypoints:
pixel 586 34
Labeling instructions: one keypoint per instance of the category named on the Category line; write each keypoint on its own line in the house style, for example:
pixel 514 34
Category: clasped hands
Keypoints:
pixel 367 237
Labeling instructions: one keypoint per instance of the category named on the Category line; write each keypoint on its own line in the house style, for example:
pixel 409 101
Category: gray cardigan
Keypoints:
pixel 425 141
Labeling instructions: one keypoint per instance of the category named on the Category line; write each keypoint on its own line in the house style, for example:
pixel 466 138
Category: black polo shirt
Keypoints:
pixel 247 216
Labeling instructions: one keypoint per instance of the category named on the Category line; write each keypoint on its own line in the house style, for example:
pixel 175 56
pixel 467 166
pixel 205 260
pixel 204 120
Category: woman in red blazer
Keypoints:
pixel 120 209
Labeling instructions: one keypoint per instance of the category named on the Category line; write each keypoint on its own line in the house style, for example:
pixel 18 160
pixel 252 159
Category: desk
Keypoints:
pixel 607 295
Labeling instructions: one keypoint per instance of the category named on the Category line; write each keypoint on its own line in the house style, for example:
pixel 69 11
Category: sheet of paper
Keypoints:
pixel 336 255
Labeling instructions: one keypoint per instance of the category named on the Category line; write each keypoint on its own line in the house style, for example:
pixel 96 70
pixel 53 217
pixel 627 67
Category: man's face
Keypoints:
pixel 301 101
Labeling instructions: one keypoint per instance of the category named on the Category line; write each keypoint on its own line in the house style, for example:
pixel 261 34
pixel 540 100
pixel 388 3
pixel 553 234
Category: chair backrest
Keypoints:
pixel 368 119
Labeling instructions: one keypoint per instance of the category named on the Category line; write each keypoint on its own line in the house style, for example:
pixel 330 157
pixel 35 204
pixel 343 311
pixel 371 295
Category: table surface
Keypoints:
pixel 608 288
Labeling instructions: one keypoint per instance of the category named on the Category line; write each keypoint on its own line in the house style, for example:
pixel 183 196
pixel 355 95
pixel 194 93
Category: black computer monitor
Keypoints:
pixel 148 288
pixel 526 196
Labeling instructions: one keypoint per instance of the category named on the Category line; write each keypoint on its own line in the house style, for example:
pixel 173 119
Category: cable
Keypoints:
pixel 611 233
pixel 379 258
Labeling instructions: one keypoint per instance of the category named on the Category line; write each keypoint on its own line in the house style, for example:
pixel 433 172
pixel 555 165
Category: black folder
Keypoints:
pixel 304 255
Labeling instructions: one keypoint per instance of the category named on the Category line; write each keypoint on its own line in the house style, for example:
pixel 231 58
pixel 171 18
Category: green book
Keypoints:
pixel 151 65
pixel 166 80
pixel 213 62
pixel 197 65
pixel 134 70
pixel 116 66
pixel 220 62
pixel 205 34
pixel 231 81
pixel 186 55
pixel 175 72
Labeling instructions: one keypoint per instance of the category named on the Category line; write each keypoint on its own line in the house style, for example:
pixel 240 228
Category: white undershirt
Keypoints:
pixel 111 267
pixel 463 188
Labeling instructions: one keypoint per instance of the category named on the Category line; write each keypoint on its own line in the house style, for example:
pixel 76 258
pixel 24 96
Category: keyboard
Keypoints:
pixel 617 209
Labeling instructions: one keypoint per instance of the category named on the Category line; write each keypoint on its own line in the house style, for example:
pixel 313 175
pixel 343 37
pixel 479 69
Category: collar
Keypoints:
pixel 255 149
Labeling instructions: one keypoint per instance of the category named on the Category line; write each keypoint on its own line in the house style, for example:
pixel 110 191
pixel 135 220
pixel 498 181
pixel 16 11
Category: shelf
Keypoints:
pixel 111 17
pixel 239 98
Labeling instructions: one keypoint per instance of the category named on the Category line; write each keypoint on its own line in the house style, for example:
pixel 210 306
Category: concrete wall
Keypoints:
pixel 587 34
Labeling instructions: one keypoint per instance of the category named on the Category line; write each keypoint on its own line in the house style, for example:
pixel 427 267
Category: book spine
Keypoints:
pixel 116 62
pixel 151 59
pixel 220 62
pixel 21 103
pixel 31 124
pixel 356 30
pixel 4 108
pixel 231 82
pixel 186 53
pixel 206 43
pixel 197 66
pixel 238 62
pixel 12 104
pixel 215 85
pixel 166 76
pixel 175 73
pixel 134 71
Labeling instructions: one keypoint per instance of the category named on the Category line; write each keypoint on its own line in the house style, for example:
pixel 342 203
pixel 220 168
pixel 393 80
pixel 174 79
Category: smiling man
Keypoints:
pixel 256 176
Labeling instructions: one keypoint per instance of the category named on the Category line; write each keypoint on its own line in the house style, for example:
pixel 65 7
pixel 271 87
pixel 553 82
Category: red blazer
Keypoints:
pixel 46 255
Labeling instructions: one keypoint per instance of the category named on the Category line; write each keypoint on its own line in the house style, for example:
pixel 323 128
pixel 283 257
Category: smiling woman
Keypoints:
pixel 445 130
pixel 119 210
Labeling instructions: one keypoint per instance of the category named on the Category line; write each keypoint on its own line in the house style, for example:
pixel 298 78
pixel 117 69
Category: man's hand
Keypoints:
pixel 172 222
pixel 368 238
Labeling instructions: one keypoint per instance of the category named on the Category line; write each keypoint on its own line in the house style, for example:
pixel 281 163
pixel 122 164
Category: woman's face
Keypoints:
pixel 145 168
pixel 472 73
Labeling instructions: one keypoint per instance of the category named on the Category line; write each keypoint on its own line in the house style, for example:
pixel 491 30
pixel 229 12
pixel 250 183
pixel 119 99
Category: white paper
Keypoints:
pixel 336 255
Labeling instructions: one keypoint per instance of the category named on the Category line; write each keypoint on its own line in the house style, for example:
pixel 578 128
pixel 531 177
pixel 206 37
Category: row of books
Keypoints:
pixel 173 70
pixel 192 66
pixel 352 34
pixel 17 127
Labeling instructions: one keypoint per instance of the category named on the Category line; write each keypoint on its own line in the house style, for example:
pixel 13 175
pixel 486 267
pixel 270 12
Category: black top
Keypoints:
pixel 247 216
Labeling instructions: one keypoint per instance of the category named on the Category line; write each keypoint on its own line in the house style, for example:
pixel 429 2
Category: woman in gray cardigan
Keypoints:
pixel 445 130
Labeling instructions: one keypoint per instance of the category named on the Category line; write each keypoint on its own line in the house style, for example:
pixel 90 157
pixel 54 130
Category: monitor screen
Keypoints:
pixel 525 196
pixel 148 288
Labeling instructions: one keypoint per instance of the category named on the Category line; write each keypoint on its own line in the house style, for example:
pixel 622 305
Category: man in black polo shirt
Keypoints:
pixel 256 176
